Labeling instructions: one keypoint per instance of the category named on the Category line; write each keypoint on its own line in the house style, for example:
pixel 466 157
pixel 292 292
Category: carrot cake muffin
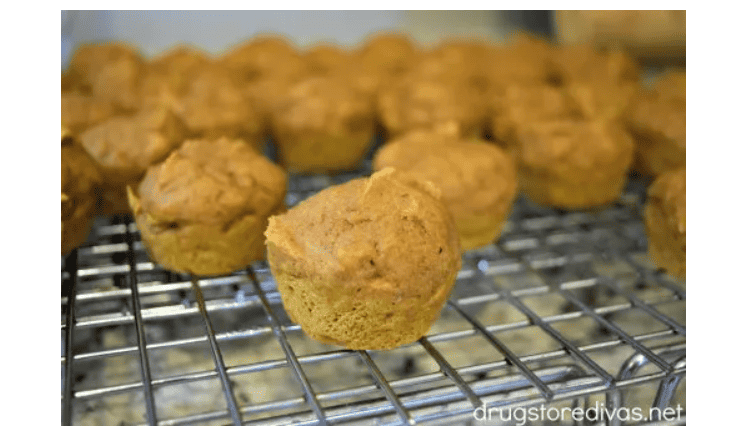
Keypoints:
pixel 368 264
pixel 169 74
pixel 325 58
pixel 204 209
pixel 573 164
pixel 216 106
pixel 477 180
pixel 521 105
pixel 123 147
pixel 430 103
pixel 323 125
pixel 264 56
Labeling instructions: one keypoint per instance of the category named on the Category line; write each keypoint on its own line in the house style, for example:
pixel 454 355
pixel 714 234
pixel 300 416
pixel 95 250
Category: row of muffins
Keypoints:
pixel 323 106
pixel 568 119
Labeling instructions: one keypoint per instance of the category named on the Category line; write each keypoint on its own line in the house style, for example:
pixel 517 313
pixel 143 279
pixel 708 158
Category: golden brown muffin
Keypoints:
pixel 216 106
pixel 658 123
pixel 430 103
pixel 522 105
pixel 264 56
pixel 80 188
pixel 367 264
pixel 324 58
pixel 379 61
pixel 665 216
pixel 580 63
pixel 169 74
pixel 120 82
pixel 110 70
pixel 82 111
pixel 89 60
pixel 205 208
pixel 125 146
pixel 466 62
pixel 525 59
pixel 573 164
pixel 478 181
pixel 390 53
pixel 323 125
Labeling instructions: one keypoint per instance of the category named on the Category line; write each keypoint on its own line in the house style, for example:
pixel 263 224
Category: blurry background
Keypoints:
pixel 654 34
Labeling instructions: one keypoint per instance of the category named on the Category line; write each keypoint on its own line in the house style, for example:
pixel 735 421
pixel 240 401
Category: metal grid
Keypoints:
pixel 564 311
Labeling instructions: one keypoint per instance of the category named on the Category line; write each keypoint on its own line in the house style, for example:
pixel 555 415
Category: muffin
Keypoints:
pixel 658 123
pixel 111 71
pixel 521 105
pixel 215 106
pixel 367 264
pixel 524 60
pixel 324 58
pixel 465 60
pixel 478 181
pixel 123 147
pixel 380 60
pixel 322 125
pixel 89 60
pixel 264 67
pixel 573 164
pixel 430 103
pixel 169 74
pixel 391 54
pixel 80 184
pixel 583 63
pixel 264 56
pixel 204 209
pixel 665 216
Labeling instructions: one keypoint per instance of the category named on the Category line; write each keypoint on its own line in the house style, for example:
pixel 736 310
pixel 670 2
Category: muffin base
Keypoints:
pixel 357 317
pixel 549 191
pixel 199 248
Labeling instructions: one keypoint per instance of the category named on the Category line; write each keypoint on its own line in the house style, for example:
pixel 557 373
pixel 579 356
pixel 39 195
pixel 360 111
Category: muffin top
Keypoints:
pixel 212 182
pixel 521 105
pixel 326 104
pixel 391 53
pixel 169 74
pixel 525 59
pixel 564 148
pixel 583 63
pixel 124 146
pixel 215 105
pixel 389 233
pixel 429 103
pixel 264 56
pixel 324 58
pixel 89 60
pixel 472 175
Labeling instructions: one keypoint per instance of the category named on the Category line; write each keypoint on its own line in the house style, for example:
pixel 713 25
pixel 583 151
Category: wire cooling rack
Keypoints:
pixel 564 313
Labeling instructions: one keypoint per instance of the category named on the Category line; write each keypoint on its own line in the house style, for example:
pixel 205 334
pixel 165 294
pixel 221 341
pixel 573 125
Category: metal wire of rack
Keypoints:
pixel 564 311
